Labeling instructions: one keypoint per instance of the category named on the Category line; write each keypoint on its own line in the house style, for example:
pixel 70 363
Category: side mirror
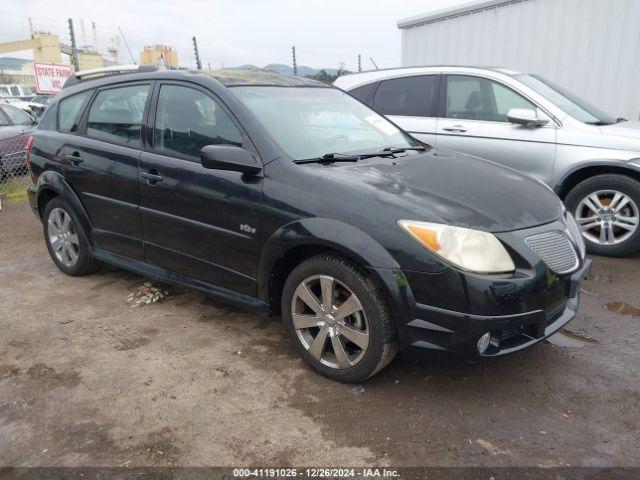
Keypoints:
pixel 526 117
pixel 228 157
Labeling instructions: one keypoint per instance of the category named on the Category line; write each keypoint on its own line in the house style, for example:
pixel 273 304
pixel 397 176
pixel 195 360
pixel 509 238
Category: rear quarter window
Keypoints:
pixel 48 120
pixel 69 110
pixel 364 93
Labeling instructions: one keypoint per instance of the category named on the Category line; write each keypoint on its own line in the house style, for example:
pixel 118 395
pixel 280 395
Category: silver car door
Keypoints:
pixel 475 122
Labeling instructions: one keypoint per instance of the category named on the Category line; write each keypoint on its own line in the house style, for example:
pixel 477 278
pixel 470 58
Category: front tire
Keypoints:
pixel 337 320
pixel 607 209
pixel 66 242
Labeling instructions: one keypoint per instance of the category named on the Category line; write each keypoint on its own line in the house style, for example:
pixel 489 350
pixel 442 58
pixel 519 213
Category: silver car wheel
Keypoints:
pixel 607 217
pixel 63 237
pixel 330 322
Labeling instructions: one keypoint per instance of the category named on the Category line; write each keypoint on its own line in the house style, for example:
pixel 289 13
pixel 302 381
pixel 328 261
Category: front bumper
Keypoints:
pixel 439 329
pixel 518 312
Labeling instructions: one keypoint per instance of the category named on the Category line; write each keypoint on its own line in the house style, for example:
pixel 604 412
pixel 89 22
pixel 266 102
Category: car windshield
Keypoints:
pixel 309 122
pixel 567 101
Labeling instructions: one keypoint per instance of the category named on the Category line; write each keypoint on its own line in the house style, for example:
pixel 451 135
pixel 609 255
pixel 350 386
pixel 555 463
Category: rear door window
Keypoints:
pixel 188 119
pixel 69 111
pixel 116 115
pixel 409 96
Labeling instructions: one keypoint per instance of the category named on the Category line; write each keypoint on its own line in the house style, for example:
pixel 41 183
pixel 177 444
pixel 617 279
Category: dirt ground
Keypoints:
pixel 85 379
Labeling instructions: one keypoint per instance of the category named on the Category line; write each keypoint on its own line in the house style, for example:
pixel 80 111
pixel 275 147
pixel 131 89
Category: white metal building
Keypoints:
pixel 591 47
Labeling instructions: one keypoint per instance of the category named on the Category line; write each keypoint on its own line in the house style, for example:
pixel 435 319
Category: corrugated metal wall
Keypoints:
pixel 591 47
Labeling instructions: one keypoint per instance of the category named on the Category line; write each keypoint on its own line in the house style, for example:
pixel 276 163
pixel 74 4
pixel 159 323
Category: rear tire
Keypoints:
pixel 346 335
pixel 607 208
pixel 66 241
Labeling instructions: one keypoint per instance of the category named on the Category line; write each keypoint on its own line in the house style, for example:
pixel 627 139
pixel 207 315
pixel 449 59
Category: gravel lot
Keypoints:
pixel 85 379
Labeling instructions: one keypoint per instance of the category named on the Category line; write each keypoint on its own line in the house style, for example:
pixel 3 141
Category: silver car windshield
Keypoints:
pixel 576 107
pixel 309 122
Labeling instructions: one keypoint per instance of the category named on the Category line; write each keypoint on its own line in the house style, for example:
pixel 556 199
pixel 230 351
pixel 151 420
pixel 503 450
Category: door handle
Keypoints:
pixel 455 128
pixel 152 177
pixel 75 158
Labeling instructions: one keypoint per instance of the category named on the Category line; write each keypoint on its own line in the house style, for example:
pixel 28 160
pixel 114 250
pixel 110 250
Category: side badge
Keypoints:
pixel 247 228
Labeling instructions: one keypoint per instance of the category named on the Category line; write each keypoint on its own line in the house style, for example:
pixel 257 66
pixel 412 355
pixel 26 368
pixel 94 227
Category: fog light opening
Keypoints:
pixel 483 342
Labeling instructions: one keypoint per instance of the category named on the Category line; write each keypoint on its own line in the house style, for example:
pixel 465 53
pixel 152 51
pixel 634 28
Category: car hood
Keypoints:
pixel 628 129
pixel 446 187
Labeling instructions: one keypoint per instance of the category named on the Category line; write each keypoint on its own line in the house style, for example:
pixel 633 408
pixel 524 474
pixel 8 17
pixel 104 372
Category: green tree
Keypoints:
pixel 326 77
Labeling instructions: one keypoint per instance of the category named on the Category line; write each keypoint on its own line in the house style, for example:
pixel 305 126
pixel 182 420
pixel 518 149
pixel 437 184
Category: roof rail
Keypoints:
pixel 104 71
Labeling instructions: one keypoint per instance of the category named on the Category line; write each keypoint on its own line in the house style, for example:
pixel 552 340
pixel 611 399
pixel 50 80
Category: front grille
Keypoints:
pixel 554 249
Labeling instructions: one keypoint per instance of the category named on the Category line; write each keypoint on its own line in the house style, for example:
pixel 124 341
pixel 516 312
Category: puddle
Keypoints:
pixel 622 308
pixel 565 338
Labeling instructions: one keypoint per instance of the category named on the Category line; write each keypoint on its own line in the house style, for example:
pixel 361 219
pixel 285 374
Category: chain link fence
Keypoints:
pixel 14 171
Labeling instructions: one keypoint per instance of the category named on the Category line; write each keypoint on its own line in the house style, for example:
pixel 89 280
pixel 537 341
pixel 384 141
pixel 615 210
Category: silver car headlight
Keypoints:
pixel 472 250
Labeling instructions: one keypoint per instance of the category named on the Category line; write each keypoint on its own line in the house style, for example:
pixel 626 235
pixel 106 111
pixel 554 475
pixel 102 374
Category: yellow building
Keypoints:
pixel 46 47
pixel 89 60
pixel 159 55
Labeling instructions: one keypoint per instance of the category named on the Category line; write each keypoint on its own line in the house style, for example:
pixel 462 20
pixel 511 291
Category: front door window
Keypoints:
pixel 476 98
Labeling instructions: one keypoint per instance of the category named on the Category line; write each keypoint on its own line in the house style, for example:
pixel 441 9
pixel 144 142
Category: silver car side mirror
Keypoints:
pixel 526 117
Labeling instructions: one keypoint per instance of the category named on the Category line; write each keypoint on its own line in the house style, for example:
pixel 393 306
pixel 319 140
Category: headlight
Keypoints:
pixel 468 249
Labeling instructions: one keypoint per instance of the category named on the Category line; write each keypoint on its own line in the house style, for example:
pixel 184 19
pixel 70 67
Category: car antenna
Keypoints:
pixel 127 45
pixel 374 63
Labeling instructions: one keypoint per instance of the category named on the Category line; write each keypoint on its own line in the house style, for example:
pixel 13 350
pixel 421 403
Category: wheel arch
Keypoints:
pixel 584 171
pixel 295 242
pixel 52 184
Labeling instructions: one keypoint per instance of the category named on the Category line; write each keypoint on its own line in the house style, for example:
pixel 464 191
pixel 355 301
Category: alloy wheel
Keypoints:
pixel 63 237
pixel 330 321
pixel 607 217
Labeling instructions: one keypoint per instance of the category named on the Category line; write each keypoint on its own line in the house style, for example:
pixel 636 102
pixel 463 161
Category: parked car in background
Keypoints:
pixel 23 105
pixel 39 103
pixel 15 90
pixel 15 128
pixel 589 158
pixel 288 196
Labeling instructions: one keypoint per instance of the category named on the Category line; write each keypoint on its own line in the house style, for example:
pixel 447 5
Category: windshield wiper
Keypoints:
pixel 403 149
pixel 343 157
pixel 601 123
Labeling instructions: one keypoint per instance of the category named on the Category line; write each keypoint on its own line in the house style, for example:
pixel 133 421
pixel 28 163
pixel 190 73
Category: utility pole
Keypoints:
pixel 359 62
pixel 295 65
pixel 195 50
pixel 74 48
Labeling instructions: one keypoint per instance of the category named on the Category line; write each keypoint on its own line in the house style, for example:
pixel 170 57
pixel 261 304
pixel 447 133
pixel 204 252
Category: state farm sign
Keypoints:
pixel 50 77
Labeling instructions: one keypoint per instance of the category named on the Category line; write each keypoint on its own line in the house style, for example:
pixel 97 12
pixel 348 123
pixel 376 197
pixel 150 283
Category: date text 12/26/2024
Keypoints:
pixel 315 473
